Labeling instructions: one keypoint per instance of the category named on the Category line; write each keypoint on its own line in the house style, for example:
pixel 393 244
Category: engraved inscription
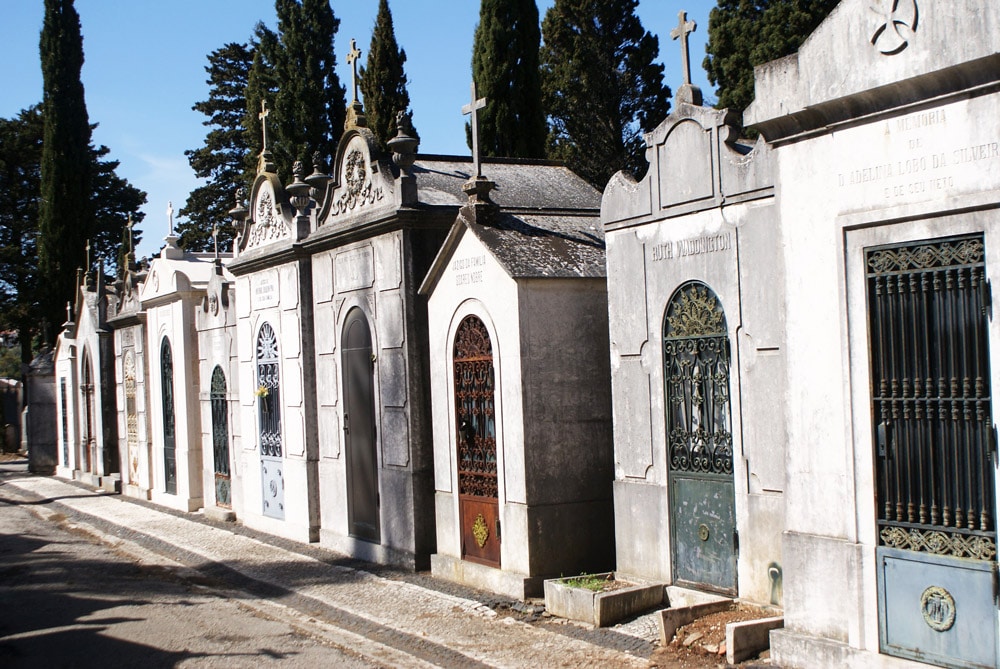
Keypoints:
pixel 468 270
pixel 692 247
pixel 263 292
pixel 354 269
pixel 925 164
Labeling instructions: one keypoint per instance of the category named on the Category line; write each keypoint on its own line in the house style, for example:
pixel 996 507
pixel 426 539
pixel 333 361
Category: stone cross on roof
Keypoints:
pixel 264 113
pixel 471 108
pixel 215 239
pixel 683 29
pixel 352 60
pixel 130 225
pixel 88 255
pixel 170 215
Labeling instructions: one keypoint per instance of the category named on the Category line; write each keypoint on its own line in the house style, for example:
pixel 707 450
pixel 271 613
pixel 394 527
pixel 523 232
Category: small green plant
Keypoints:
pixel 595 582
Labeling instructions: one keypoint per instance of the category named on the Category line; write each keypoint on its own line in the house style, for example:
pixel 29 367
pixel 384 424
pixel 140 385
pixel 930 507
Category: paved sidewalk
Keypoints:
pixel 393 618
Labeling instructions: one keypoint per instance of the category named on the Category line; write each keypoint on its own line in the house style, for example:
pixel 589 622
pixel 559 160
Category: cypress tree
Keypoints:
pixel 600 86
pixel 66 216
pixel 505 69
pixel 745 33
pixel 222 158
pixel 308 100
pixel 383 81
pixel 262 86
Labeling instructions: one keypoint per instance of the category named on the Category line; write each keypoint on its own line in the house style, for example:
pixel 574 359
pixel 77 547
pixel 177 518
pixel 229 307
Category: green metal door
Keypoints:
pixel 934 451
pixel 696 359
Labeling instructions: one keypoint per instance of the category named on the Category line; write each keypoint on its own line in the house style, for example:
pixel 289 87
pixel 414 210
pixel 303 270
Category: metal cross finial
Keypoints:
pixel 170 215
pixel 684 27
pixel 352 60
pixel 264 112
pixel 474 105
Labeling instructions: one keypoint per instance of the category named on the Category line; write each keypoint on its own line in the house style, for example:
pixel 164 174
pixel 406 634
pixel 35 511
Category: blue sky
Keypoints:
pixel 144 68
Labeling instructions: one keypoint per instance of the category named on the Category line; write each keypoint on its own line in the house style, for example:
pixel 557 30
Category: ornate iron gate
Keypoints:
pixel 169 436
pixel 934 450
pixel 696 364
pixel 269 416
pixel 89 444
pixel 220 438
pixel 477 443
pixel 359 428
pixel 131 420
pixel 65 422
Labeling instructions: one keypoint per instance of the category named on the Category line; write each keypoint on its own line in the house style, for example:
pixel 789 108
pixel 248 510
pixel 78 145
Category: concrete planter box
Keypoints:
pixel 603 608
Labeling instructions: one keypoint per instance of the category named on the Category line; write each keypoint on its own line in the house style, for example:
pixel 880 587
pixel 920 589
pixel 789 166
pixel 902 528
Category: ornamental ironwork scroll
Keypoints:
pixel 696 363
pixel 268 392
pixel 930 380
pixel 475 410
pixel 220 437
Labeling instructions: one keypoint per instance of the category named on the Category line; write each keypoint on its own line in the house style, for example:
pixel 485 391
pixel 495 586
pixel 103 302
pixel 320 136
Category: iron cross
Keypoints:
pixel 129 226
pixel 475 105
pixel 264 112
pixel 352 60
pixel 684 27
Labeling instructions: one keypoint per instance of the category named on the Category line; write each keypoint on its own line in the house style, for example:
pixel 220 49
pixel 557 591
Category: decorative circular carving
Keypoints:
pixel 479 531
pixel 938 608
pixel 703 532
pixel 355 172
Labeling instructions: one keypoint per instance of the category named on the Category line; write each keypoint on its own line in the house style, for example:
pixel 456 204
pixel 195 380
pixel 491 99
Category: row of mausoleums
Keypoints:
pixel 764 370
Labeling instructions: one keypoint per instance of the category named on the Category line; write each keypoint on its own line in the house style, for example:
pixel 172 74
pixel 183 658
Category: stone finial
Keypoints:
pixel 687 92
pixel 475 104
pixel 318 179
pixel 404 144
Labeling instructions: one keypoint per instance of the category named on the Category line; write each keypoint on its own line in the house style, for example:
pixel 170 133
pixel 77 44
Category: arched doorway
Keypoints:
pixel 475 422
pixel 220 438
pixel 88 446
pixel 359 428
pixel 269 416
pixel 696 362
pixel 169 434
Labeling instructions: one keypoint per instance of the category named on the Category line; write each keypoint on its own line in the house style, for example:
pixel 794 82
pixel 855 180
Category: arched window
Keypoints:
pixel 696 364
pixel 169 437
pixel 131 419
pixel 220 437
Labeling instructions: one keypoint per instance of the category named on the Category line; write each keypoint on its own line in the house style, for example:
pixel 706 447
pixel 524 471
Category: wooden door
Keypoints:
pixel 475 418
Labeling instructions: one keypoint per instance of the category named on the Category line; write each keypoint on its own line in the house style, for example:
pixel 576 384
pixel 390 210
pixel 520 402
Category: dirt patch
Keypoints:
pixel 12 457
pixel 701 644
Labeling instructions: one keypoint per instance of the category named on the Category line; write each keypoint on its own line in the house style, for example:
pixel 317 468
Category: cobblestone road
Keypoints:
pixel 390 617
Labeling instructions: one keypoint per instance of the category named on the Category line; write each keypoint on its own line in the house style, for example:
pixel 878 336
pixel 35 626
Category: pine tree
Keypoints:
pixel 308 101
pixel 505 69
pixel 600 86
pixel 21 142
pixel 383 81
pixel 745 33
pixel 20 181
pixel 66 215
pixel 222 159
